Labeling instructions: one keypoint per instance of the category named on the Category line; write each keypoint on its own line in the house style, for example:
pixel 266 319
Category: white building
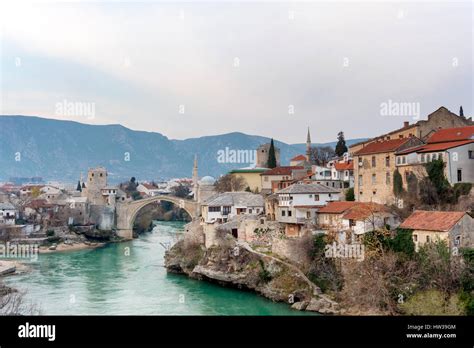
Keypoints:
pixel 455 146
pixel 222 207
pixel 8 214
pixel 298 204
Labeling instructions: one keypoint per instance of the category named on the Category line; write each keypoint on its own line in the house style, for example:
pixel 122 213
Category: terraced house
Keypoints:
pixel 455 146
pixel 374 165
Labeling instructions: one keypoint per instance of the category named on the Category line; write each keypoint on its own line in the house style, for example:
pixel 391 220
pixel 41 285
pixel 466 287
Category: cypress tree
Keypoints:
pixel 461 112
pixel 79 188
pixel 271 156
pixel 341 147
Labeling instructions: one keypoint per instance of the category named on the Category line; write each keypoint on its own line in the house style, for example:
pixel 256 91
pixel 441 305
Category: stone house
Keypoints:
pixel 441 118
pixel 454 227
pixel 350 220
pixel 374 166
pixel 277 178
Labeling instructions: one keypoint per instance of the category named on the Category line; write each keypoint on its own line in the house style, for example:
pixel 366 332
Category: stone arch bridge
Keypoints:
pixel 127 212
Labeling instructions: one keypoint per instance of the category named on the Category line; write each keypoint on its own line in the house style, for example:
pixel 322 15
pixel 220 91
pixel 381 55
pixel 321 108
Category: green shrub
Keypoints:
pixel 50 233
pixel 402 242
pixel 433 302
pixel 350 194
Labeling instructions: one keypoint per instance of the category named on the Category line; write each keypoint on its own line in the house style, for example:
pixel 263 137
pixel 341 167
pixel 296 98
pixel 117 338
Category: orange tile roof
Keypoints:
pixel 362 211
pixel 337 207
pixel 382 146
pixel 441 221
pixel 281 170
pixel 299 158
pixel 344 165
pixel 452 134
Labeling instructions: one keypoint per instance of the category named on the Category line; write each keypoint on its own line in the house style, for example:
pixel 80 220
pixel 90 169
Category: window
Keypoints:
pixel 459 175
pixel 423 158
pixel 374 179
pixel 226 210
pixel 471 154
pixel 100 174
pixel 308 214
pixel 289 213
pixel 415 238
pixel 351 223
pixel 283 213
pixel 265 178
pixel 250 211
pixel 360 180
pixel 387 161
pixel 310 196
pixel 387 178
pixel 457 241
pixel 333 184
pixel 214 209
pixel 427 239
pixel 316 197
pixel 373 161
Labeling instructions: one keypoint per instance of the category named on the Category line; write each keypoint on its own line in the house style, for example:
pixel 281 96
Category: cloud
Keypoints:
pixel 156 57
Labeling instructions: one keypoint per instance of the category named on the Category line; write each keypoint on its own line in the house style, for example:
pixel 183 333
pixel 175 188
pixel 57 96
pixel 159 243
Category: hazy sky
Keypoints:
pixel 202 68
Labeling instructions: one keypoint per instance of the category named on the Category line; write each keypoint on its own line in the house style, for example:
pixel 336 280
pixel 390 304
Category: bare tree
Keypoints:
pixel 229 183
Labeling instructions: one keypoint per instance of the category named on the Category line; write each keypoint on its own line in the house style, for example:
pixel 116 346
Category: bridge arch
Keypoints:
pixel 127 212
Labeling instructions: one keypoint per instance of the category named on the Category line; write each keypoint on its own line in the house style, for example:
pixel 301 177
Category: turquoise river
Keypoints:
pixel 130 279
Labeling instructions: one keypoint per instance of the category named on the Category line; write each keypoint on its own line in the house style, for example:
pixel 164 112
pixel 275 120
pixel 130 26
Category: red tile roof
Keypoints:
pixel 441 221
pixel 337 207
pixel 382 146
pixel 299 158
pixel 452 134
pixel 363 211
pixel 344 165
pixel 282 170
pixel 149 186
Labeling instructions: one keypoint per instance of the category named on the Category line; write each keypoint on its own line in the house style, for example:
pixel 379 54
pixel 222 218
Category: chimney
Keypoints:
pixel 406 124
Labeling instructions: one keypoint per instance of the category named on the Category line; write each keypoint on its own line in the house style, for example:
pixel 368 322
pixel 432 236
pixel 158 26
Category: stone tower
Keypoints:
pixel 262 155
pixel 195 178
pixel 308 147
pixel 96 181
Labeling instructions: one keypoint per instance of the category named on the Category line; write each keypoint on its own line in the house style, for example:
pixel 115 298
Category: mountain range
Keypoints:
pixel 60 150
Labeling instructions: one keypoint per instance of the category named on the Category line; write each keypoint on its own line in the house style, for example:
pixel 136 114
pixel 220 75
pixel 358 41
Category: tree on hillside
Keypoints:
pixel 229 183
pixel 461 112
pixel 341 147
pixel 181 191
pixel 321 155
pixel 272 163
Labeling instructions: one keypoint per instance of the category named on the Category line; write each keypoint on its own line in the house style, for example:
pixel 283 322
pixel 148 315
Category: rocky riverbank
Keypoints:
pixel 236 265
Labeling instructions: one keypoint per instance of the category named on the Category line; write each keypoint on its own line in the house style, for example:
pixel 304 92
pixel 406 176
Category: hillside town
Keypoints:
pixel 417 178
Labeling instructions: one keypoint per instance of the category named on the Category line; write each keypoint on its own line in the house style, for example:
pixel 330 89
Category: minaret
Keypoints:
pixel 195 177
pixel 308 146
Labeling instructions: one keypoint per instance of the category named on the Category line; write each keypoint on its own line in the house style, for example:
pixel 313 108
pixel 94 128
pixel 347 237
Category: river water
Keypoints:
pixel 129 279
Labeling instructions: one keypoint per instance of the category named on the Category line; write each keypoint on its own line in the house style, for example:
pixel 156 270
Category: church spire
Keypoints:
pixel 308 146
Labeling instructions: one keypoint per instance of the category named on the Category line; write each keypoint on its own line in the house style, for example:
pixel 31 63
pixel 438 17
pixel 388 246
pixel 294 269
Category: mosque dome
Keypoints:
pixel 207 180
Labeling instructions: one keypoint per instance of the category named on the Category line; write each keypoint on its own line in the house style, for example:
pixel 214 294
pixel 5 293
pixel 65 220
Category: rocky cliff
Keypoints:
pixel 236 265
